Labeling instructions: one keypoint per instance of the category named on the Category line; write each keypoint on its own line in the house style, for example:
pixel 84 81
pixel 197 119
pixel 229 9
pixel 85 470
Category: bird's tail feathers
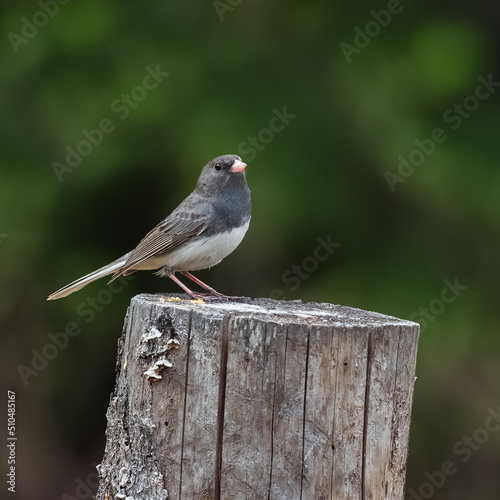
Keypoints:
pixel 111 268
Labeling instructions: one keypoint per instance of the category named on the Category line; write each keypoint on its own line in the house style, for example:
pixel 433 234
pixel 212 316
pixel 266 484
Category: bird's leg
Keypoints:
pixel 183 286
pixel 210 290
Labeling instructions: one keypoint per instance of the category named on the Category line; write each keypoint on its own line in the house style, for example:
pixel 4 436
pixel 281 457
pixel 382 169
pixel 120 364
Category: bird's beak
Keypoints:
pixel 238 166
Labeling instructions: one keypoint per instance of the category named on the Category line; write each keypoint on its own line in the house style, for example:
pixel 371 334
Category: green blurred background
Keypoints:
pixel 324 175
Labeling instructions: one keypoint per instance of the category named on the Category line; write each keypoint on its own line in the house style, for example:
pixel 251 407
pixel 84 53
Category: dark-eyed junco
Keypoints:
pixel 206 227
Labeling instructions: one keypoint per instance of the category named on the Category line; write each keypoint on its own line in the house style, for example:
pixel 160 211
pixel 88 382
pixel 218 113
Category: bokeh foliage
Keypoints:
pixel 322 175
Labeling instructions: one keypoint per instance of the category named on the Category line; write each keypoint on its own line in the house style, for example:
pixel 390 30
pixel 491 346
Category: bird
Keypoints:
pixel 204 229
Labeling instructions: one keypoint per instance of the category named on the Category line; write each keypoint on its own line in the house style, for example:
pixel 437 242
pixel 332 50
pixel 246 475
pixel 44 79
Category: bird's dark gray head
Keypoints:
pixel 222 172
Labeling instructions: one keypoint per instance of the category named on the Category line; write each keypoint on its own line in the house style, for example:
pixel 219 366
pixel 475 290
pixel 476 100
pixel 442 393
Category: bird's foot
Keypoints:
pixel 214 296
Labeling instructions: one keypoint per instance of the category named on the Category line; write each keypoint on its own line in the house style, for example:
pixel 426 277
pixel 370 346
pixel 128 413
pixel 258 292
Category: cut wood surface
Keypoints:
pixel 259 399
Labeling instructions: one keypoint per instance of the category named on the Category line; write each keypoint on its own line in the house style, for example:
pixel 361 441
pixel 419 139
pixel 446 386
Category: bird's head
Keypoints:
pixel 220 172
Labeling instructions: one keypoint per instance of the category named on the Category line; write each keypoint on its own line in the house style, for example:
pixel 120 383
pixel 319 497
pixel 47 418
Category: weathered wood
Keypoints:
pixel 259 399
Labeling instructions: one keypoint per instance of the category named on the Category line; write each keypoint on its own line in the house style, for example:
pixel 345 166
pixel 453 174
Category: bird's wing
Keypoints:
pixel 177 228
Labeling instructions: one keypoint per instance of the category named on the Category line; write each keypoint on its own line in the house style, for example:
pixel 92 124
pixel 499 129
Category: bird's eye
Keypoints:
pixel 218 166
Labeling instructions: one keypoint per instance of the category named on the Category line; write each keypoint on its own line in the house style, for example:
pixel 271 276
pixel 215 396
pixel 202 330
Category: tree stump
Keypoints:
pixel 259 399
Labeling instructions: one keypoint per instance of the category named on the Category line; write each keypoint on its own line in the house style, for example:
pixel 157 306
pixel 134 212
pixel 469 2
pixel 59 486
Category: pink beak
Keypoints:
pixel 238 166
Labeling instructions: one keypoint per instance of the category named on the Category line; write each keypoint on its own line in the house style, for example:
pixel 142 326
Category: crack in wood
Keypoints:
pixel 369 359
pixel 272 427
pixel 221 404
pixel 335 356
pixel 185 399
pixel 306 375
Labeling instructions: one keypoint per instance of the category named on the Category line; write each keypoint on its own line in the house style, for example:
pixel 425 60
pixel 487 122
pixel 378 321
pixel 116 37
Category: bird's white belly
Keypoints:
pixel 203 252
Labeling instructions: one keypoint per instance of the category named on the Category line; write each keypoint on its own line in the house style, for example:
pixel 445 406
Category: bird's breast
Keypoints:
pixel 205 251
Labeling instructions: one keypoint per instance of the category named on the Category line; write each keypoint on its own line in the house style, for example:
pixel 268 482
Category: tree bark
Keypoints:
pixel 259 399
